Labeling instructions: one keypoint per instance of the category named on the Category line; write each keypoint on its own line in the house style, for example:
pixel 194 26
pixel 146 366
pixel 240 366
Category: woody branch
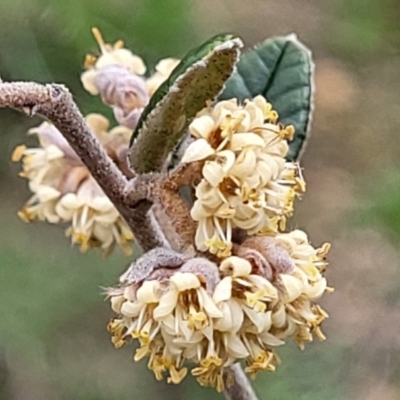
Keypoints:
pixel 55 103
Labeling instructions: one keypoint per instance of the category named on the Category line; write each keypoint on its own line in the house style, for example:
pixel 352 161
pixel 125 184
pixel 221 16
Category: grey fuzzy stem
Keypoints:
pixel 174 208
pixel 55 103
pixel 241 388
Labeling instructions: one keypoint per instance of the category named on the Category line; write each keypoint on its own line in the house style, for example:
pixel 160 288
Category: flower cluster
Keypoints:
pixel 247 183
pixel 216 315
pixel 117 76
pixel 246 286
pixel 64 191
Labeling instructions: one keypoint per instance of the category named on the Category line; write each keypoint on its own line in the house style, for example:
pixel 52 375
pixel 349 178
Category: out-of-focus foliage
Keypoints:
pixel 382 207
pixel 53 339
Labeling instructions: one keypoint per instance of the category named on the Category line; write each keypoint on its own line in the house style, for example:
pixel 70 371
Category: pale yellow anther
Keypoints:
pixel 18 153
pixel 99 39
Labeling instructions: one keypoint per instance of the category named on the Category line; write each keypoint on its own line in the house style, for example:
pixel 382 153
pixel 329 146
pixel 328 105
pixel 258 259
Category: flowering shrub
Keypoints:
pixel 205 184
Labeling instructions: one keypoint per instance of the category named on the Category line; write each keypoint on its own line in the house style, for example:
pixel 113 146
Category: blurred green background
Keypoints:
pixel 53 339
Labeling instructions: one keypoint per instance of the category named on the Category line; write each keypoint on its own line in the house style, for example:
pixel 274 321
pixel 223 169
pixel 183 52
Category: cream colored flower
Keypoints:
pixel 116 75
pixel 183 317
pixel 246 181
pixel 163 71
pixel 296 315
pixel 170 319
pixel 64 191
pixel 110 55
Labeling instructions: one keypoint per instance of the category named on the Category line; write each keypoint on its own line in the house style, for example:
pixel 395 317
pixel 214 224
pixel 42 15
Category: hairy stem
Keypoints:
pixel 55 103
pixel 241 388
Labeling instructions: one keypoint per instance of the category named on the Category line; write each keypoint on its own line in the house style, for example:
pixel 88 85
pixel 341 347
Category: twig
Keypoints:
pixel 55 103
pixel 175 208
pixel 241 388
pixel 170 209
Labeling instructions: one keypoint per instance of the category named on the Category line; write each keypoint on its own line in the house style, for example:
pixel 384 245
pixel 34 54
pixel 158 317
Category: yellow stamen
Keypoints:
pixel 141 353
pixel 176 375
pixel 18 153
pixel 99 39
pixel 25 215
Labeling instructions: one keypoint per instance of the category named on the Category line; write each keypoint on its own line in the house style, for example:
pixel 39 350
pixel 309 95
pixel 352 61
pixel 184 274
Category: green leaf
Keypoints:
pixel 199 77
pixel 280 69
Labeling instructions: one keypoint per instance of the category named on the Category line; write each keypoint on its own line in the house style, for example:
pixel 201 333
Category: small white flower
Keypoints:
pixel 64 191
pixel 243 317
pixel 243 150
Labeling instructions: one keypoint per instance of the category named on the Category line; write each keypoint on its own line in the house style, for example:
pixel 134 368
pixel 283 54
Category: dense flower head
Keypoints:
pixel 211 320
pixel 247 183
pixel 64 191
pixel 237 290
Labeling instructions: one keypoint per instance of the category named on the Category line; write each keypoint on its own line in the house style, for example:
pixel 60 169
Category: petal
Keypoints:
pixel 224 324
pixel 257 318
pixel 213 173
pixel 293 287
pixel 64 213
pixel 265 172
pixel 250 222
pixel 97 123
pixel 102 204
pixel 201 127
pixel 270 340
pixel 255 109
pixel 299 236
pixel 200 238
pixel 208 195
pixel 235 346
pixel 223 290
pixel 71 201
pixel 147 293
pixel 199 212
pixel 47 193
pixel 279 317
pixel 168 325
pixel 87 79
pixel 167 65
pixel 235 267
pixel 106 218
pixel 226 159
pixel 245 164
pixel 237 315
pixel 116 303
pixel 263 284
pixel 200 149
pixel 104 235
pixel 316 290
pixel 185 281
pixel 131 309
pixel 166 305
pixel 241 140
pixel 208 304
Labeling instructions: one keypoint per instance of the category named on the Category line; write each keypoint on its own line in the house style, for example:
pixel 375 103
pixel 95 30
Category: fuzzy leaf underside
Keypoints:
pixel 198 78
pixel 280 69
